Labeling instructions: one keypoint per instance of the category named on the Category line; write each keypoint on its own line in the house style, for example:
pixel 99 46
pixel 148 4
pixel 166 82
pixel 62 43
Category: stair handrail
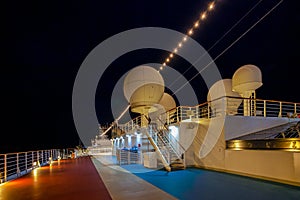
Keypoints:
pixel 160 154
pixel 172 146
pixel 171 136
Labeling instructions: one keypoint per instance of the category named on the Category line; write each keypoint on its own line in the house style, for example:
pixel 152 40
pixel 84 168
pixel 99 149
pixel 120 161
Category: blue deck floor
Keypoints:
pixel 194 183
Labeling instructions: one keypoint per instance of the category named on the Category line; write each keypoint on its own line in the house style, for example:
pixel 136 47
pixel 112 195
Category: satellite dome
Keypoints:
pixel 246 78
pixel 165 104
pixel 167 101
pixel 223 88
pixel 143 87
pixel 220 89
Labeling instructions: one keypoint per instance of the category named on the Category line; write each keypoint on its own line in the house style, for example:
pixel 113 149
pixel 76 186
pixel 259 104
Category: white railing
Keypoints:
pixel 224 106
pixel 168 139
pixel 14 165
pixel 128 157
pixel 100 150
pixel 131 125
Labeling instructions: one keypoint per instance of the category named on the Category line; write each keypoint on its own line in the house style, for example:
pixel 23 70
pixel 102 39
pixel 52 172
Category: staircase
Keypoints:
pixel 292 132
pixel 169 149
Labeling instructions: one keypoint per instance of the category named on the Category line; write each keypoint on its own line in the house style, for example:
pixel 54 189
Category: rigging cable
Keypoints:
pixel 234 42
pixel 220 39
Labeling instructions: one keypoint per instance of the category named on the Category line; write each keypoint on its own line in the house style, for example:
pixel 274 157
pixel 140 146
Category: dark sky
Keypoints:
pixel 45 42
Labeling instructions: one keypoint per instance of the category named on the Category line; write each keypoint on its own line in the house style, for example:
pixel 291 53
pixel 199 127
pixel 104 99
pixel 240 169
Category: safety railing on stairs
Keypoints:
pixel 161 152
pixel 175 149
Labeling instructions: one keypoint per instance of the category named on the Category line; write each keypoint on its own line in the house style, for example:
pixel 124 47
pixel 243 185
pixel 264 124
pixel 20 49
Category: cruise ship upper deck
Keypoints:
pixel 92 177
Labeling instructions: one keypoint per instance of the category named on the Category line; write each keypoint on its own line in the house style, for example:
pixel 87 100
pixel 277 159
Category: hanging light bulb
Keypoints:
pixel 211 6
pixel 203 16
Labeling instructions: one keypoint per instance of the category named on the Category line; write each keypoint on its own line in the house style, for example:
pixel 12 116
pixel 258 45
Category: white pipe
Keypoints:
pixel 116 120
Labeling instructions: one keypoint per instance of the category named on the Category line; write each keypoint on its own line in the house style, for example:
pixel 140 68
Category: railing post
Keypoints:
pixel 48 156
pixel 180 114
pixel 295 108
pixel 17 165
pixel 45 156
pixel 5 167
pixel 42 157
pixel 208 111
pixel 280 109
pixel 265 108
pixel 177 114
pixel 26 161
pixel 37 157
pixel 32 160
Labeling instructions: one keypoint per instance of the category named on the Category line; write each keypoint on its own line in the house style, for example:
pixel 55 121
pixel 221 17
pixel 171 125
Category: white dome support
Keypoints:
pixel 249 104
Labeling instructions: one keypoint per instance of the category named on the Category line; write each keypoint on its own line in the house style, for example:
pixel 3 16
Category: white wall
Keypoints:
pixel 237 126
pixel 276 165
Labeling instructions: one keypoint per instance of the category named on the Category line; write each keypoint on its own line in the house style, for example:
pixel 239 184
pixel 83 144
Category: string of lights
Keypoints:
pixel 190 32
pixel 234 42
pixel 203 15
pixel 220 39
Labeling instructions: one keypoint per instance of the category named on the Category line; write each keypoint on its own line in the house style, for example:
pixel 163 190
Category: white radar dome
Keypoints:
pixel 221 88
pixel 246 78
pixel 166 103
pixel 143 87
pixel 222 99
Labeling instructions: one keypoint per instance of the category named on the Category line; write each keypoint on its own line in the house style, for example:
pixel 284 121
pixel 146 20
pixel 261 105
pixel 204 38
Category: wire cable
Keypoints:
pixel 219 40
pixel 234 42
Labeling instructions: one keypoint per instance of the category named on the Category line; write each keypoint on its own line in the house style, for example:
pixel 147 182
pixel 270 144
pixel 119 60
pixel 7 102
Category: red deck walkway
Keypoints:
pixel 70 179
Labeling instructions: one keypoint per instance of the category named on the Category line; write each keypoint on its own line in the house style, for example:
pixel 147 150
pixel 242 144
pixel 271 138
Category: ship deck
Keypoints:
pixel 64 179
pixel 92 178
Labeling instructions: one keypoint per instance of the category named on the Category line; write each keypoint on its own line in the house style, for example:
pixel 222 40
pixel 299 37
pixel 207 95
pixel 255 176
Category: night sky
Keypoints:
pixel 45 42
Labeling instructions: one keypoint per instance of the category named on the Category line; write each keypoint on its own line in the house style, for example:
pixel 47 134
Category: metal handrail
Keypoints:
pixel 262 108
pixel 160 154
pixel 175 144
pixel 14 165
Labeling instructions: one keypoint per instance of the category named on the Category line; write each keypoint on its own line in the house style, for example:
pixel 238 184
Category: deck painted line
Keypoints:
pixel 123 185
